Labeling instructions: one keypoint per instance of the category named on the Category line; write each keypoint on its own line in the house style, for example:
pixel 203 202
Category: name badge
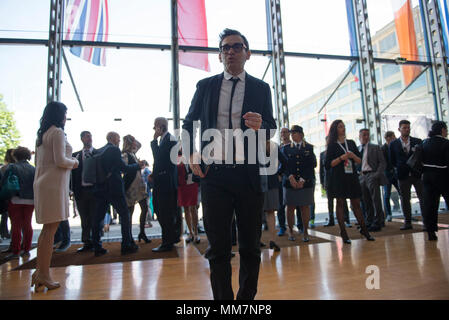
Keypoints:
pixel 348 166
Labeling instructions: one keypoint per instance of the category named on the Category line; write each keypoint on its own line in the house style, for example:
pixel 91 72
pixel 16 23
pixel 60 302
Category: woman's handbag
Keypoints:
pixel 10 187
pixel 415 161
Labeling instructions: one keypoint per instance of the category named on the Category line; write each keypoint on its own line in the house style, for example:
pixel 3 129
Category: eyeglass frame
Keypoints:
pixel 233 47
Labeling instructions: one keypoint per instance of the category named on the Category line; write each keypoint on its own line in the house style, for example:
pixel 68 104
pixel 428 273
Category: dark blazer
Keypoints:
pixel 389 169
pixel 436 153
pixel 323 169
pixel 75 182
pixel 300 162
pixel 165 173
pixel 399 157
pixel 376 161
pixel 113 166
pixel 204 107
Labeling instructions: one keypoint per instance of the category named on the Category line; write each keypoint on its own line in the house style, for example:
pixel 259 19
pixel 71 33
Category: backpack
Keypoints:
pixel 11 185
pixel 93 171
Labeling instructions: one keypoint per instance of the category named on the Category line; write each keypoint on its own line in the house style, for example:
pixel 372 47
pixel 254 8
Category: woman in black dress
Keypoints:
pixel 341 157
pixel 435 158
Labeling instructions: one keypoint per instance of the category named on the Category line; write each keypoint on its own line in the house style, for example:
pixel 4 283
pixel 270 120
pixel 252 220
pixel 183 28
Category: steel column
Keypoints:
pixel 438 57
pixel 54 50
pixel 278 64
pixel 367 75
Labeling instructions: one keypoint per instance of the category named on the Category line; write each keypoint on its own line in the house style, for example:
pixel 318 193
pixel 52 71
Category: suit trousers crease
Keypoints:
pixel 435 184
pixel 405 186
pixel 118 202
pixel 167 211
pixel 86 206
pixel 224 192
pixel 372 200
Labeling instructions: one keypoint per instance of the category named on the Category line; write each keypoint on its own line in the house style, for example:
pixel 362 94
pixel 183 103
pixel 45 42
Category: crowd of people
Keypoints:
pixel 235 197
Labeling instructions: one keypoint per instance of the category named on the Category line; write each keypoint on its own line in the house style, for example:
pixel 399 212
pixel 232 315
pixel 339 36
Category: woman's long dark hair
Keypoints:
pixel 53 115
pixel 333 131
pixel 437 128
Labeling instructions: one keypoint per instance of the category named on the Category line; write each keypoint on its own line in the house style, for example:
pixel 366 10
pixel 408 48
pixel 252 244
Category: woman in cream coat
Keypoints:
pixel 54 162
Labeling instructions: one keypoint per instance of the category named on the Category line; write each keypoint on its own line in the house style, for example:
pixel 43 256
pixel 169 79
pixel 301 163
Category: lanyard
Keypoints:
pixel 346 144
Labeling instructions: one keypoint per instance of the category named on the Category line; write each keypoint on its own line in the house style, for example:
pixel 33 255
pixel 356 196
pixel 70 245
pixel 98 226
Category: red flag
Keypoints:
pixel 405 30
pixel 326 126
pixel 192 31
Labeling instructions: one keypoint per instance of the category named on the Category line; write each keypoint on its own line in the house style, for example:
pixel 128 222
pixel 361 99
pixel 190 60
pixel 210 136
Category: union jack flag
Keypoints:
pixel 87 20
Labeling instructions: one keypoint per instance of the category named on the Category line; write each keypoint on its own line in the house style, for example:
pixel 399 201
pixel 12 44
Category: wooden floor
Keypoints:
pixel 410 267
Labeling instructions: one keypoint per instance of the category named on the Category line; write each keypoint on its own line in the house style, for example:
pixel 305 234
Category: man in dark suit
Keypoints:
pixel 84 192
pixel 389 173
pixel 112 191
pixel 401 150
pixel 225 103
pixel 165 177
pixel 371 177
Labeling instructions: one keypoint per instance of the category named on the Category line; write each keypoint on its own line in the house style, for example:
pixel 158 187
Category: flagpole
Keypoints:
pixel 175 65
pixel 71 79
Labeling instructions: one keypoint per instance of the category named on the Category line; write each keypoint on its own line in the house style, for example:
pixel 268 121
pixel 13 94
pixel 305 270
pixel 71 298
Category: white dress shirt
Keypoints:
pixel 365 165
pixel 405 145
pixel 236 116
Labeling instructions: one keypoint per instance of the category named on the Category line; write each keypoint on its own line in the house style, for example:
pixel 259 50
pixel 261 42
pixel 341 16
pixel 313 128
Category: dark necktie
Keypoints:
pixel 234 83
pixel 361 152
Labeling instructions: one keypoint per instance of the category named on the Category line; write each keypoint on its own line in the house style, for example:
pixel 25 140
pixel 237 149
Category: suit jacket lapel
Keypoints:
pixel 246 99
pixel 214 99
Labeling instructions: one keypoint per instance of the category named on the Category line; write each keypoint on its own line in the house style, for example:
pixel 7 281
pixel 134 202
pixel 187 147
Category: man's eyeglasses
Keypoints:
pixel 237 47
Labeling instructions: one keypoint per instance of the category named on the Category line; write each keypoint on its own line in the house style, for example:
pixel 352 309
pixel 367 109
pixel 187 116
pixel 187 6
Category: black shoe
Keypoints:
pixel 163 248
pixel 100 252
pixel 232 255
pixel 330 224
pixel 274 246
pixel 407 226
pixel 432 236
pixel 262 244
pixel 143 236
pixel 389 218
pixel 85 249
pixel 190 239
pixel 345 237
pixel 129 249
pixel 366 234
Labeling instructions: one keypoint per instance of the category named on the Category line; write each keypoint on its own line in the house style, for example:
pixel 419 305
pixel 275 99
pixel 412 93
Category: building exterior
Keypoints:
pixel 345 104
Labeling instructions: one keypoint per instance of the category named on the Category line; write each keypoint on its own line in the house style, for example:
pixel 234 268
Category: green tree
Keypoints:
pixel 9 135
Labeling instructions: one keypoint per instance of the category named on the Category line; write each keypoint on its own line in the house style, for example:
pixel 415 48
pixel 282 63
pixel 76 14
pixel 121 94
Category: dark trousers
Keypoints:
pixel 435 184
pixel 405 186
pixel 281 210
pixel 103 200
pixel 371 200
pixel 168 216
pixel 63 232
pixel 86 204
pixel 4 232
pixel 387 194
pixel 224 191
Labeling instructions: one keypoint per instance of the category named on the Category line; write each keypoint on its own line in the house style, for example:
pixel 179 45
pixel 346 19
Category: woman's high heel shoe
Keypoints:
pixel 345 237
pixel 40 284
pixel 143 236
pixel 366 234
pixel 274 246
